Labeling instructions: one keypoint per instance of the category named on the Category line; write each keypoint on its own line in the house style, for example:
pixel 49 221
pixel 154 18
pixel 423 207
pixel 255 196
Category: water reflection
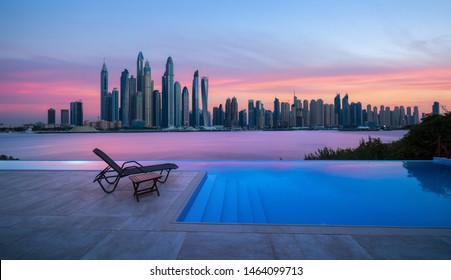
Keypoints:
pixel 432 177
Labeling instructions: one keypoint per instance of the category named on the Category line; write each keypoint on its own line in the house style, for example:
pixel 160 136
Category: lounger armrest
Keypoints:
pixel 137 166
pixel 131 161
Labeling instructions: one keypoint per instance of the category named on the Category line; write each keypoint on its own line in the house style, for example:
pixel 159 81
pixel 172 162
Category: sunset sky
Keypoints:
pixel 388 53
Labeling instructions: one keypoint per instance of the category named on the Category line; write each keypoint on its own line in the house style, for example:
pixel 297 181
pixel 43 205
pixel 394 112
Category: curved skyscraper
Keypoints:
pixel 103 91
pixel 204 91
pixel 195 100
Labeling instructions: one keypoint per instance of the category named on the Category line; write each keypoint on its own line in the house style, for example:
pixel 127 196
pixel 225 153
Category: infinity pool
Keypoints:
pixel 363 193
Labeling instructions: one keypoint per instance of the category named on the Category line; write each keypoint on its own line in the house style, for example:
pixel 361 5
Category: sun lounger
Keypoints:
pixel 113 172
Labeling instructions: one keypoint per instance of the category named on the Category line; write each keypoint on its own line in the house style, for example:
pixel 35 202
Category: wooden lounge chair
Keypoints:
pixel 113 172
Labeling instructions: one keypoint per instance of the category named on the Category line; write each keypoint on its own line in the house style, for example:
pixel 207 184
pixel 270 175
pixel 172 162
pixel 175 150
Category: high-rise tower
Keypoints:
pixel 177 102
pixel 436 108
pixel 204 91
pixel 168 94
pixel 346 113
pixel 115 105
pixel 148 89
pixel 125 99
pixel 337 109
pixel 140 72
pixel 132 98
pixel 195 100
pixel 103 91
pixel 251 114
pixel 276 115
pixel 185 107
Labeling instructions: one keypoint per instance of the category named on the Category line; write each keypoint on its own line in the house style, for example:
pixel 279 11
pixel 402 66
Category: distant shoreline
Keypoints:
pixel 193 131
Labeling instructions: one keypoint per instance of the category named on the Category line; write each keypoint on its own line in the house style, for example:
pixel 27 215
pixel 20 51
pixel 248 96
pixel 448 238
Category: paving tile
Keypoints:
pixel 66 244
pixel 22 247
pixel 10 235
pixel 139 223
pixel 11 220
pixel 56 222
pixel 405 247
pixel 227 246
pixel 314 247
pixel 137 245
pixel 63 215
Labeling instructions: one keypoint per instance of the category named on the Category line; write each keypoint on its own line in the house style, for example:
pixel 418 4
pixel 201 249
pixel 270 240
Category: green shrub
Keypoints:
pixel 420 143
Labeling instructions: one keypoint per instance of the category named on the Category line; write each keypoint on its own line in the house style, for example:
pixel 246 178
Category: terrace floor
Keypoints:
pixel 61 214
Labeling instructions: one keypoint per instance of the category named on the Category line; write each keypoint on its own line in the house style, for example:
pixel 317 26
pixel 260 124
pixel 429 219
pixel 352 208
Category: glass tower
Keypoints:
pixel 177 101
pixel 103 91
pixel 185 107
pixel 195 100
pixel 140 72
pixel 204 90
pixel 168 94
pixel 125 96
pixel 148 89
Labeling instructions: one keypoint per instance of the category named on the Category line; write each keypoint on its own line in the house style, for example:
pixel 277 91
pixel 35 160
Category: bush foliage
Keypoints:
pixel 420 143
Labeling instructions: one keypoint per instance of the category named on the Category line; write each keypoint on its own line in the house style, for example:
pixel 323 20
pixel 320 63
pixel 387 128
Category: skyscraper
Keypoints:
pixel 132 97
pixel 51 116
pixel 185 107
pixel 156 105
pixel 125 97
pixel 103 91
pixel 168 94
pixel 416 115
pixel 115 105
pixel 177 102
pixel 64 117
pixel 259 113
pixel 148 89
pixel 234 108
pixel 346 113
pixel 195 100
pixel 251 114
pixel 140 72
pixel 204 91
pixel 242 118
pixel 284 114
pixel 109 107
pixel 276 114
pixel 76 113
pixel 337 111
pixel 228 113
pixel 436 108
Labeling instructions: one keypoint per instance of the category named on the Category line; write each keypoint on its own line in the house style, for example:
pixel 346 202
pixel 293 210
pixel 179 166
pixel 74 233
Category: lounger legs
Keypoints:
pixel 115 182
pixel 165 177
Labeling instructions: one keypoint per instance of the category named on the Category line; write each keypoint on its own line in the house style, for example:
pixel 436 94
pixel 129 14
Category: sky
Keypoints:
pixel 392 53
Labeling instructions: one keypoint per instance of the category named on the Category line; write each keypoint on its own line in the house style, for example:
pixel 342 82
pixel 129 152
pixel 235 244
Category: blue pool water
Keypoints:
pixel 369 193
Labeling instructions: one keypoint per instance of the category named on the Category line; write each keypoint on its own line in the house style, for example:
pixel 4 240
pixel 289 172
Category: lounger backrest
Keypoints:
pixel 108 160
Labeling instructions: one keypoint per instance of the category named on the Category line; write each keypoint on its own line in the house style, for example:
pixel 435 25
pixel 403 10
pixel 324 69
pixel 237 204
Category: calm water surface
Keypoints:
pixel 250 145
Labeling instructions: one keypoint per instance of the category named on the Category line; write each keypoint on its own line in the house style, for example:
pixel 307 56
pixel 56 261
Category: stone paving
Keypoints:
pixel 56 215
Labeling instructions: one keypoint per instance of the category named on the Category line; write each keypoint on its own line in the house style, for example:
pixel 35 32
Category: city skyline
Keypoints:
pixel 380 53
pixel 139 103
